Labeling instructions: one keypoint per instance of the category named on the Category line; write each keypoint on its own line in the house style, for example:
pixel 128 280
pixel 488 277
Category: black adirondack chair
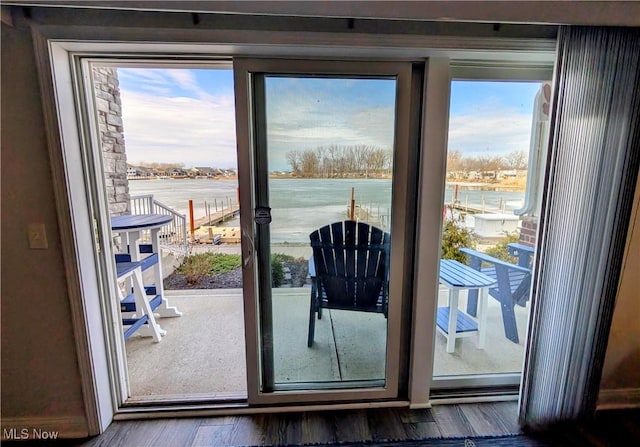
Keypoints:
pixel 351 261
pixel 514 285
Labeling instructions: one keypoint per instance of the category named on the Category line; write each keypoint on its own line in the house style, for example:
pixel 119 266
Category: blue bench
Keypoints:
pixel 124 268
pixel 524 253
pixel 513 287
pixel 123 264
pixel 145 263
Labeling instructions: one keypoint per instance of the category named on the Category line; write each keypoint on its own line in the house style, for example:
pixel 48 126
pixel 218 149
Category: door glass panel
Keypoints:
pixel 497 146
pixel 329 151
pixel 169 157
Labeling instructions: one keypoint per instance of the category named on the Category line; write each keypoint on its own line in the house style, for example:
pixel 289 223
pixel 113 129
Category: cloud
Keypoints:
pixel 142 74
pixel 185 79
pixel 170 117
pixel 490 130
pixel 196 132
pixel 164 81
pixel 296 123
pixel 375 124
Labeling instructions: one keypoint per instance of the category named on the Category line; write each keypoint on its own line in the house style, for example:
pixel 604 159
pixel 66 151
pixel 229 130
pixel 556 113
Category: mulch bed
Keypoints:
pixel 233 280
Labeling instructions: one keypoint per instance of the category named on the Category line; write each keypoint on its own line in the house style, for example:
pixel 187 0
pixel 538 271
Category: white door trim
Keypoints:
pixel 74 219
pixel 54 46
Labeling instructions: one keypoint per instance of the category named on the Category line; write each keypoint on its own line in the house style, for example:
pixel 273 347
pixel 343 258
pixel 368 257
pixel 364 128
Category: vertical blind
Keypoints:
pixel 592 166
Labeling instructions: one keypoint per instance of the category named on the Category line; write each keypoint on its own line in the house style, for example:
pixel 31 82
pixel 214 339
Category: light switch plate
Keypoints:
pixel 37 236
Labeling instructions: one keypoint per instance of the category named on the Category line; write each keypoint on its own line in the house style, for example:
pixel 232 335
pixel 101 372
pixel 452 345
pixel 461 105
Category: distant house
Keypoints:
pixel 508 173
pixel 131 171
pixel 177 172
pixel 205 171
pixel 229 172
pixel 456 174
pixel 139 172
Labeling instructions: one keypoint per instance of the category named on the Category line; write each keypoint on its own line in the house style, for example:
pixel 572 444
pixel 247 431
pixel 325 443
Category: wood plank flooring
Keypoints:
pixel 322 427
pixel 611 428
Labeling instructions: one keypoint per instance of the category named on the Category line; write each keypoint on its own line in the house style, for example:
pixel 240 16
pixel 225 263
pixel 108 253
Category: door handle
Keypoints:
pixel 262 215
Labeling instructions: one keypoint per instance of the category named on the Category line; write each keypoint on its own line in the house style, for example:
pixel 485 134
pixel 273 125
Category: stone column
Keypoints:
pixel 109 108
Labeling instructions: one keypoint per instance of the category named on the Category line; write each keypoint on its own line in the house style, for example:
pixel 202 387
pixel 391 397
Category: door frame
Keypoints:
pixel 459 70
pixel 251 161
pixel 54 46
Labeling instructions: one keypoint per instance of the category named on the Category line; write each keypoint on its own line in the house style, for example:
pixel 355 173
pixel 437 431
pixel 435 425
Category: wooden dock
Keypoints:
pixel 217 217
pixel 473 209
pixel 216 235
pixel 366 214
pixel 468 209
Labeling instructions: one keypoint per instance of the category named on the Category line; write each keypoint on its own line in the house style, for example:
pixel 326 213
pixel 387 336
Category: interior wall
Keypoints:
pixel 622 362
pixel 40 375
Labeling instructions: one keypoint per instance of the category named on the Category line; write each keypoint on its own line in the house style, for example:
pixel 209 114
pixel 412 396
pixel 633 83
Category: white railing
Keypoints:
pixel 172 236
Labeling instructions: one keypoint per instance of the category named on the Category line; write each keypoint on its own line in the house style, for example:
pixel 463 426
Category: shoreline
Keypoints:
pixel 518 186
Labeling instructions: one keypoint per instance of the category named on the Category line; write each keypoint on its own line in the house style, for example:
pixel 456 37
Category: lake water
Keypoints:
pixel 299 206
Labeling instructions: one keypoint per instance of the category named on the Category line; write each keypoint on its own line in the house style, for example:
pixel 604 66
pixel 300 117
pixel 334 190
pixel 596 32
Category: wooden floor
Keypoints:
pixel 613 428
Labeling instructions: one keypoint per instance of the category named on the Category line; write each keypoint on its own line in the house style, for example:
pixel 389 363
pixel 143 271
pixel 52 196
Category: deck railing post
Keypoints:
pixel 174 234
pixel 352 205
pixel 192 227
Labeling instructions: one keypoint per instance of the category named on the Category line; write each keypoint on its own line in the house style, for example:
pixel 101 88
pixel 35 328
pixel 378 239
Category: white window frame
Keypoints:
pixel 402 153
pixel 464 70
pixel 55 47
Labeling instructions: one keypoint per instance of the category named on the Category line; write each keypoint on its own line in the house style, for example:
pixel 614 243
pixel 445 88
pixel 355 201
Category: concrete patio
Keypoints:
pixel 203 353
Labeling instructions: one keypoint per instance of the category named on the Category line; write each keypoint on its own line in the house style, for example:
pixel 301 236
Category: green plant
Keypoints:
pixel 277 273
pixel 281 257
pixel 454 237
pixel 277 268
pixel 224 263
pixel 501 251
pixel 196 267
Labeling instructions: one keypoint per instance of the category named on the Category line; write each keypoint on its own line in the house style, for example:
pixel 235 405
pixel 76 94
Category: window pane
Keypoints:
pixel 497 136
pixel 330 153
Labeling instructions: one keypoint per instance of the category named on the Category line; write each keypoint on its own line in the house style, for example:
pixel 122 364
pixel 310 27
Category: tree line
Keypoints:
pixel 161 166
pixel 484 163
pixel 337 161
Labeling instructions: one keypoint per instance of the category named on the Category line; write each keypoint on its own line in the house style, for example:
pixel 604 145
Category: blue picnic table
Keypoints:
pixel 146 299
pixel 453 322
pixel 137 222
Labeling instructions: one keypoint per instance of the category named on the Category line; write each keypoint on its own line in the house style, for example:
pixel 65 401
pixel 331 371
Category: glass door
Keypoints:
pixel 325 241
pixel 498 132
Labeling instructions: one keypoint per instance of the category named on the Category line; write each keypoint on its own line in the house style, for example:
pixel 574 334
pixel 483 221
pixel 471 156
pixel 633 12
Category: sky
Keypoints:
pixel 304 113
pixel 188 115
pixel 178 116
pixel 490 118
